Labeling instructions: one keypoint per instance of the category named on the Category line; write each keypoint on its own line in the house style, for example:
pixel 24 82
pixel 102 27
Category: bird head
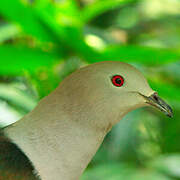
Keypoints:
pixel 109 90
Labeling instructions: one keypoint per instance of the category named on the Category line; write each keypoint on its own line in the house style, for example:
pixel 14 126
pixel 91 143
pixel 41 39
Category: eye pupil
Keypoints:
pixel 118 80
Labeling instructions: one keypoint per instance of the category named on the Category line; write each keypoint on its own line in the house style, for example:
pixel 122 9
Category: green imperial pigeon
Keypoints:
pixel 58 139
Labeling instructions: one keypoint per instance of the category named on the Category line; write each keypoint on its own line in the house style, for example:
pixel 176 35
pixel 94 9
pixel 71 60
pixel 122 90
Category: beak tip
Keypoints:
pixel 157 102
pixel 170 113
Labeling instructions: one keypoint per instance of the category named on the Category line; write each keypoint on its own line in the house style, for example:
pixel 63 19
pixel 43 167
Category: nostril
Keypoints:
pixel 155 96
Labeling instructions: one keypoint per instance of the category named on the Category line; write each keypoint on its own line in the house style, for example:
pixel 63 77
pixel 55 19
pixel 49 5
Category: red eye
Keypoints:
pixel 118 80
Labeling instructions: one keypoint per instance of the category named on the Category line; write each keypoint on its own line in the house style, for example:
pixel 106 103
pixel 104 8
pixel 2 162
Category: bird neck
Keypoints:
pixel 58 146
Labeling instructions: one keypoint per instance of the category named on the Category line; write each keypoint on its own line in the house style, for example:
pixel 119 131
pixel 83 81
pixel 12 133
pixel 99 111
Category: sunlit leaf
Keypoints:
pixel 8 31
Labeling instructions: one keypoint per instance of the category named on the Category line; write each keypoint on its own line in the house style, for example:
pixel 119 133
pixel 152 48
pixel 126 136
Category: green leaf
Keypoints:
pixel 24 15
pixel 167 164
pixel 99 7
pixel 138 54
pixel 64 20
pixel 16 60
pixel 167 90
pixel 17 97
pixel 106 171
pixel 121 171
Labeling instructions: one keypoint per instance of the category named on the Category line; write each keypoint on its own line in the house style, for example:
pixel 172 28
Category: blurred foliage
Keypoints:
pixel 42 41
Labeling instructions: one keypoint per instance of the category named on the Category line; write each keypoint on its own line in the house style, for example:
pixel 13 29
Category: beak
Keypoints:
pixel 156 101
